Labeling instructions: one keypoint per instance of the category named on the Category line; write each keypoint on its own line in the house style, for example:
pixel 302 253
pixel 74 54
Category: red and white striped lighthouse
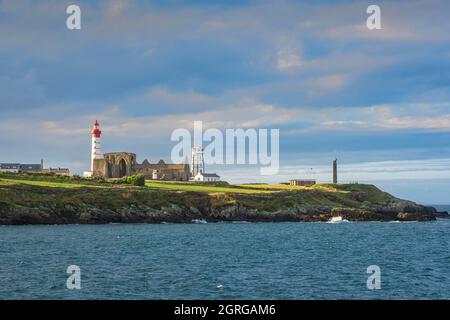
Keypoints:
pixel 96 134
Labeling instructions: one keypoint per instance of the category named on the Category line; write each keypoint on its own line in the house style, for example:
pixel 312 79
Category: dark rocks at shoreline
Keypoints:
pixel 442 215
pixel 20 215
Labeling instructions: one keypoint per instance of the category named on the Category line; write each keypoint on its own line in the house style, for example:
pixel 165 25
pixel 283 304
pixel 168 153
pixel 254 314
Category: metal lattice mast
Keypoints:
pixel 197 162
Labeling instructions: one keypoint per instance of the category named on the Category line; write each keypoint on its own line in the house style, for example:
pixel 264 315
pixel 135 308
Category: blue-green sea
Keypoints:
pixel 227 261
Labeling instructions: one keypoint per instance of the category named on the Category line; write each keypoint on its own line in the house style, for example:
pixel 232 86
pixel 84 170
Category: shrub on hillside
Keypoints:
pixel 135 180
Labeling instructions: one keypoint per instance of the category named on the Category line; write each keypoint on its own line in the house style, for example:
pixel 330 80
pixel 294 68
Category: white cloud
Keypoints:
pixel 380 118
pixel 288 57
pixel 402 22
pixel 373 172
pixel 385 117
pixel 288 60
pixel 246 114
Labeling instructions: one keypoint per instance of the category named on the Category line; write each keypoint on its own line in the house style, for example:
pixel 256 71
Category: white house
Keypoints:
pixel 207 177
pixel 10 167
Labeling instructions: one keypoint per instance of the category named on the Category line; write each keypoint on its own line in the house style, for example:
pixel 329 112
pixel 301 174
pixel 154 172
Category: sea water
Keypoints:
pixel 227 261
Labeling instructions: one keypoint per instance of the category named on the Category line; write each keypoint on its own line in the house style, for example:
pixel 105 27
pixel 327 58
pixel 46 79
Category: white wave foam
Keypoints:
pixel 337 219
pixel 199 221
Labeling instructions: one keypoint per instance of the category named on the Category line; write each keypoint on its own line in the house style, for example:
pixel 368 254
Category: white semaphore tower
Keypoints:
pixel 197 161
pixel 96 134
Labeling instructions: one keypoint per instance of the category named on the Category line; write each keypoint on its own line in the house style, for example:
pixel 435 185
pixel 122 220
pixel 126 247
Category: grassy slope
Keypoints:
pixel 44 190
pixel 185 186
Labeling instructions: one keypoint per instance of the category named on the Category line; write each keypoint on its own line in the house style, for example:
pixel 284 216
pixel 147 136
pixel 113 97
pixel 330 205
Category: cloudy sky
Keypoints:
pixel 378 100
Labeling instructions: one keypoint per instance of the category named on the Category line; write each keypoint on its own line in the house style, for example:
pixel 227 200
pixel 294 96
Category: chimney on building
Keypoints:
pixel 42 164
pixel 335 171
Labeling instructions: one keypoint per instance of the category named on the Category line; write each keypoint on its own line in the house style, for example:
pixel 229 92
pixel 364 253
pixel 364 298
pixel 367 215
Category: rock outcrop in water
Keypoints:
pixel 28 204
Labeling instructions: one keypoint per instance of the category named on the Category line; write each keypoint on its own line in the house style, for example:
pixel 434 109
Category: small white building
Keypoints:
pixel 206 177
pixel 302 182
pixel 88 174
pixel 10 167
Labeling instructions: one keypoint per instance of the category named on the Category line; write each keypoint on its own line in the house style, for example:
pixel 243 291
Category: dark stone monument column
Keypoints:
pixel 335 171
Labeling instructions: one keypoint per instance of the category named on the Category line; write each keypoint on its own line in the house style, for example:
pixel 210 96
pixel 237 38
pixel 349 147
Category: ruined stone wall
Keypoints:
pixel 99 168
pixel 115 165
pixel 120 164
pixel 178 172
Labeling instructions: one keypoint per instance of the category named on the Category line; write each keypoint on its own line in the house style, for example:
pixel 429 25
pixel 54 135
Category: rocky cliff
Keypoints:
pixel 29 204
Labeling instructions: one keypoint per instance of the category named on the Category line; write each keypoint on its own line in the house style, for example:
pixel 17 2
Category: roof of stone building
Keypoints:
pixel 210 175
pixel 119 153
pixel 30 167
